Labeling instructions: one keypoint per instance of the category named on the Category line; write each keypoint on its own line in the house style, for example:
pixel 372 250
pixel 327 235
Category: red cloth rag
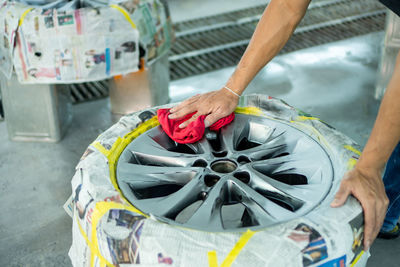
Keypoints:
pixel 191 133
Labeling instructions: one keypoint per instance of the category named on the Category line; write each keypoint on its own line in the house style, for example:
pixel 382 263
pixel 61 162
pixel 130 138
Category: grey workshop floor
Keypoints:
pixel 334 82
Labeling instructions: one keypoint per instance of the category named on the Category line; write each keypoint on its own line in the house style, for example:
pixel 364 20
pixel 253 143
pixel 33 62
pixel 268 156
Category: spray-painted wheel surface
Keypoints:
pixel 256 193
pixel 255 172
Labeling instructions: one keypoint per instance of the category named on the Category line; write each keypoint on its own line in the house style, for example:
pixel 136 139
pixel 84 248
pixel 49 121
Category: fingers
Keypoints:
pixel 184 104
pixel 374 214
pixel 182 112
pixel 342 195
pixel 186 123
pixel 211 119
pixel 368 188
pixel 186 107
pixel 369 222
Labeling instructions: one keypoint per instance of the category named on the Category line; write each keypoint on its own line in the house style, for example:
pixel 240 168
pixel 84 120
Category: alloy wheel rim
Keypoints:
pixel 253 173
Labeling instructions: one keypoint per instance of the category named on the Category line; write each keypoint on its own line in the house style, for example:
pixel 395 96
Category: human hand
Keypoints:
pixel 367 186
pixel 215 104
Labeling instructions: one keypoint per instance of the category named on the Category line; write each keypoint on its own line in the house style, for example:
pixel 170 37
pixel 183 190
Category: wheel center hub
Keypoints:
pixel 223 166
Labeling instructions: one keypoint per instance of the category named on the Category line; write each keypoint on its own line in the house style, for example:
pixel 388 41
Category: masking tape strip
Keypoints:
pixel 357 259
pixel 84 236
pixel 91 246
pixel 102 208
pixel 21 20
pixel 249 111
pixel 125 13
pixel 230 258
pixel 351 163
pixel 352 149
pixel 304 118
pixel 315 131
pixel 101 148
pixel 237 248
pixel 212 259
pixel 119 145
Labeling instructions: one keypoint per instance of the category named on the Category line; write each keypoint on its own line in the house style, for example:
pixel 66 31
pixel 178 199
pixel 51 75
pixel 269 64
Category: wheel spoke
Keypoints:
pixel 232 133
pixel 205 146
pixel 142 176
pixel 294 195
pixel 149 152
pixel 264 210
pixel 304 164
pixel 209 213
pixel 228 136
pixel 171 205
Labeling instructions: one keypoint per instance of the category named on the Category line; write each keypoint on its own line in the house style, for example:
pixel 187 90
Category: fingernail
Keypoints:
pixel 181 126
pixel 206 124
pixel 335 202
pixel 170 116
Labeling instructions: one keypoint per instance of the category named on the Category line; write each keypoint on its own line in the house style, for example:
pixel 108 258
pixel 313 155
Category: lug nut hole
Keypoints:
pixel 242 176
pixel 211 179
pixel 243 160
pixel 200 163
pixel 220 154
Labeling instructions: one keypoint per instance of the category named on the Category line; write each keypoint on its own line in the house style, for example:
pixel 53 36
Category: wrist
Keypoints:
pixel 372 158
pixel 229 95
pixel 369 168
pixel 231 91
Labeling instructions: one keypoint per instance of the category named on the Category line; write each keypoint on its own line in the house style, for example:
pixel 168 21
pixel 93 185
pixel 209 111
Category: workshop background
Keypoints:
pixel 335 67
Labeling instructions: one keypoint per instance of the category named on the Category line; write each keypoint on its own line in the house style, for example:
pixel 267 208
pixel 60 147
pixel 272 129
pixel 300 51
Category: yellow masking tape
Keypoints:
pixel 102 207
pixel 321 138
pixel 120 144
pixel 230 258
pixel 249 111
pixel 212 259
pixel 304 118
pixel 237 248
pixel 125 13
pixel 84 235
pixel 357 259
pixel 352 149
pixel 101 148
pixel 93 251
pixel 351 163
pixel 100 210
pixel 21 20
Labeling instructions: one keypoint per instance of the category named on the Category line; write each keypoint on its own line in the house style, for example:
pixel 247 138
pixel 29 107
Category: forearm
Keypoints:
pixel 274 29
pixel 385 134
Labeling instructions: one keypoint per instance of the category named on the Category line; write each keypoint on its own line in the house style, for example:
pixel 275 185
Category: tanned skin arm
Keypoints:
pixel 274 29
pixel 365 181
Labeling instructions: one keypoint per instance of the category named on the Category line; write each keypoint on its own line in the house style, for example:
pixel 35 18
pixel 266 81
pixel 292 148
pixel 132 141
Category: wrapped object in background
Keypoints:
pixel 79 41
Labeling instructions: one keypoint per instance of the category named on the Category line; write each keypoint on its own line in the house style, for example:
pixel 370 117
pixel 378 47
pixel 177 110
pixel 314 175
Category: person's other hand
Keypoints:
pixel 367 186
pixel 215 104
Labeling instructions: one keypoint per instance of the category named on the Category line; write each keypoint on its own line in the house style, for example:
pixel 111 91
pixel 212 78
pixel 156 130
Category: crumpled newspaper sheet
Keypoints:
pixel 54 42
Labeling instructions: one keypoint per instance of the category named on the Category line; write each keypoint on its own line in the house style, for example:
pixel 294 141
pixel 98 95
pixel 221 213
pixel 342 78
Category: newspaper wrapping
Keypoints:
pixel 80 45
pixel 109 230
